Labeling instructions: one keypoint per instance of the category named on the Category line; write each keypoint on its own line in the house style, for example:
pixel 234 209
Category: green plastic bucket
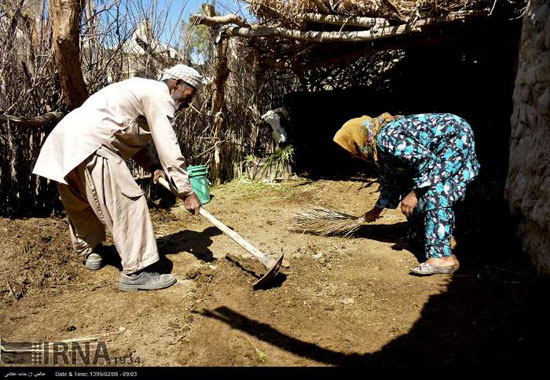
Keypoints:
pixel 198 176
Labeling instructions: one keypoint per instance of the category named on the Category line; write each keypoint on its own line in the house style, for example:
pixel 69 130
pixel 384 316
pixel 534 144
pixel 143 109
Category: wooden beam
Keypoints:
pixel 364 22
pixel 356 36
pixel 316 36
pixel 218 20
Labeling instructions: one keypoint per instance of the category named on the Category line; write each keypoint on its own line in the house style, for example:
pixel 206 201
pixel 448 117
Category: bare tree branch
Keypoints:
pixel 39 121
pixel 396 10
pixel 218 20
pixel 358 36
pixel 321 6
pixel 10 37
pixel 316 36
pixel 366 22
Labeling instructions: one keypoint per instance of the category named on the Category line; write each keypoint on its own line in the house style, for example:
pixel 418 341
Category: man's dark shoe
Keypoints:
pixel 145 281
pixel 94 261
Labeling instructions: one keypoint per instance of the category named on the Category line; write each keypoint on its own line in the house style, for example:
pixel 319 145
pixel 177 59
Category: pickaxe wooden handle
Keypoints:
pixel 262 257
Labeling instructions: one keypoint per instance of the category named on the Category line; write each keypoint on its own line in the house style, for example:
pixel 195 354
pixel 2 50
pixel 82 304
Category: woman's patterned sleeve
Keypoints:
pixel 426 164
pixel 389 194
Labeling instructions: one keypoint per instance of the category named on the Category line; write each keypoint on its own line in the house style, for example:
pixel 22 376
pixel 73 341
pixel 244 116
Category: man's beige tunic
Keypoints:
pixel 85 152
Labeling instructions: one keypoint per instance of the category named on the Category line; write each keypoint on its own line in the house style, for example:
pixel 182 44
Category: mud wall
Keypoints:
pixel 528 183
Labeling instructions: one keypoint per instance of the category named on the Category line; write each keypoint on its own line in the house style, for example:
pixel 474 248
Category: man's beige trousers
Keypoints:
pixel 101 192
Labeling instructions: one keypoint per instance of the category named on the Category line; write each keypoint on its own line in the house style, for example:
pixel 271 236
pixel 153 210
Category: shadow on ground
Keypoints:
pixel 492 317
pixel 197 243
pixel 491 325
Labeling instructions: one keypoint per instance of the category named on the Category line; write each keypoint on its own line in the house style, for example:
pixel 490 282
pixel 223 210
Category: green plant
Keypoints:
pixel 249 159
pixel 262 356
pixel 281 158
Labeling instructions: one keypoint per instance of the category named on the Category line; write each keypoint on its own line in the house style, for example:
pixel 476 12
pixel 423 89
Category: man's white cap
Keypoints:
pixel 187 74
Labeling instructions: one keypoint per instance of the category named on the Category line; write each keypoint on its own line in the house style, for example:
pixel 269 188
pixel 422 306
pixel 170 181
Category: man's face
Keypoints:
pixel 182 94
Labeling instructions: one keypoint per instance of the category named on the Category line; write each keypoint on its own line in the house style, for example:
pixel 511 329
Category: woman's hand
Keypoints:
pixel 409 203
pixel 373 214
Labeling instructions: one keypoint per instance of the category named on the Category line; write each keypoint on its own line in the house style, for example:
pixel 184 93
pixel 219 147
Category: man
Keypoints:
pixel 85 155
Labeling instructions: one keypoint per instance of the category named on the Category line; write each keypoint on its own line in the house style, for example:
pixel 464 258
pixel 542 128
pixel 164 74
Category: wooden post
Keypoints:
pixel 258 83
pixel 218 92
pixel 66 36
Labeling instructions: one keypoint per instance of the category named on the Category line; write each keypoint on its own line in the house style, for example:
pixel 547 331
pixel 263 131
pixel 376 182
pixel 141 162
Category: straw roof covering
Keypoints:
pixel 286 12
pixel 327 40
pixel 297 34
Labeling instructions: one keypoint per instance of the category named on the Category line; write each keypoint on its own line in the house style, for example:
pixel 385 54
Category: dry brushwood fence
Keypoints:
pixel 37 72
pixel 302 46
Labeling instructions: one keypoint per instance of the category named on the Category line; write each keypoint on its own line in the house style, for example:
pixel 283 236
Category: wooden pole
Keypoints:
pixel 218 91
pixel 218 20
pixel 66 47
pixel 354 36
pixel 262 257
pixel 364 22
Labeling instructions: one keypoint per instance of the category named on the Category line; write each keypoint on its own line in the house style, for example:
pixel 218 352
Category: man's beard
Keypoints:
pixel 182 105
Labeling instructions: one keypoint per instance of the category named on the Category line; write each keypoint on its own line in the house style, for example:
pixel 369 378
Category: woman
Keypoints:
pixel 425 161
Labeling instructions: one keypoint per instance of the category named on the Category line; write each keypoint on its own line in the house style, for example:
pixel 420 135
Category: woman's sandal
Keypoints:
pixel 427 269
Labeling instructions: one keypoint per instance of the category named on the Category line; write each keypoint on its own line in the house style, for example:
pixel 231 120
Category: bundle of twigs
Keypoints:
pixel 322 221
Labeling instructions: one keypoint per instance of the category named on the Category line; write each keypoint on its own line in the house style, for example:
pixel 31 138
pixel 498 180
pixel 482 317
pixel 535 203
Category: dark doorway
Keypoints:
pixel 472 77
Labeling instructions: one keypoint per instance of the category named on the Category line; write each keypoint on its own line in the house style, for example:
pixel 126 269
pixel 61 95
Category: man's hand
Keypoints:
pixel 373 214
pixel 409 203
pixel 192 204
pixel 157 174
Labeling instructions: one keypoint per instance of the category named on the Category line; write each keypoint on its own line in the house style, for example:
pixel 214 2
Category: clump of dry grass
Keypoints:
pixel 322 221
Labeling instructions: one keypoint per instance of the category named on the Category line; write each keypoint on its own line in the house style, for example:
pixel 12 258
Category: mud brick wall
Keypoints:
pixel 528 183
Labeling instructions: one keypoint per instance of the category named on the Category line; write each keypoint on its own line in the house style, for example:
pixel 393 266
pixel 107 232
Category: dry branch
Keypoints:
pixel 322 221
pixel 11 290
pixel 151 52
pixel 38 121
pixel 365 22
pixel 395 10
pixel 10 37
pixel 321 6
pixel 356 36
pixel 218 20
pixel 315 36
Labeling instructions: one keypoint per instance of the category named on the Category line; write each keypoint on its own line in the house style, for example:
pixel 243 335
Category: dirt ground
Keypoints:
pixel 354 303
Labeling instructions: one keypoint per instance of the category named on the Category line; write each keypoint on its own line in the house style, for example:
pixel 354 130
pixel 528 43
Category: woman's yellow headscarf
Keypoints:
pixel 358 135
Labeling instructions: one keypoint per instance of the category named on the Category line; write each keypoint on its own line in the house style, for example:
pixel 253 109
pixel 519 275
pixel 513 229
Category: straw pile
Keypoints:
pixel 322 221
pixel 284 12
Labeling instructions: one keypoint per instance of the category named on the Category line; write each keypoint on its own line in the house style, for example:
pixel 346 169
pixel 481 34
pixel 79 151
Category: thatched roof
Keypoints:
pixel 284 12
pixel 304 34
